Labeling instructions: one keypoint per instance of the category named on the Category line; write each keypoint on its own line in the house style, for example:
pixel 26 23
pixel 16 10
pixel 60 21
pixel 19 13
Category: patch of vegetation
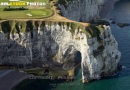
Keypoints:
pixel 0 28
pixel 42 23
pixel 74 26
pixel 99 22
pixel 23 27
pixel 90 31
pixel 15 9
pixel 6 27
pixel 100 28
pixel 85 32
pixel 27 26
pixel 12 24
pixel 35 24
pixel 95 31
pixel 39 13
pixel 39 23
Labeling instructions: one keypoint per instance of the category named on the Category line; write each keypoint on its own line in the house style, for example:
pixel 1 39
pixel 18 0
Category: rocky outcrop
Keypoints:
pixel 49 43
pixel 123 24
pixel 81 10
pixel 85 10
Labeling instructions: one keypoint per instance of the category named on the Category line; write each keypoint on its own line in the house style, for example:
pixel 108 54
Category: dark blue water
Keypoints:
pixel 122 82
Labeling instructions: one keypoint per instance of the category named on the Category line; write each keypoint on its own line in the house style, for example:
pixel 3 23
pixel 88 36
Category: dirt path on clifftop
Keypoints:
pixel 56 18
pixel 60 18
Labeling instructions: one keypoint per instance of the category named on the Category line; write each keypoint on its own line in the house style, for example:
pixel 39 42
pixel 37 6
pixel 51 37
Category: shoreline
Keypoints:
pixel 10 78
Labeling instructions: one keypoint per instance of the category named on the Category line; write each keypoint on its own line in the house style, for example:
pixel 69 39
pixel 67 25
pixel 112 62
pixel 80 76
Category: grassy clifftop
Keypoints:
pixel 14 26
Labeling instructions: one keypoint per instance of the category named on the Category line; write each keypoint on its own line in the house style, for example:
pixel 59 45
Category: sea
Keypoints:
pixel 121 14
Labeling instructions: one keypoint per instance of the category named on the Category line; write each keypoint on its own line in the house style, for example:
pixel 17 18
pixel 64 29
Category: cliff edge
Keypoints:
pixel 54 41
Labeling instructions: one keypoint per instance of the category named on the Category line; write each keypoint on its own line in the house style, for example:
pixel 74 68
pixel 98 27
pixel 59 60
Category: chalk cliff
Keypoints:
pixel 85 10
pixel 81 10
pixel 51 43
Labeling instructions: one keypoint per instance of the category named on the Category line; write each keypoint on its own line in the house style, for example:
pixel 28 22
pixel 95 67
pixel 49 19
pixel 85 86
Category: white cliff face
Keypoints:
pixel 105 61
pixel 55 43
pixel 82 10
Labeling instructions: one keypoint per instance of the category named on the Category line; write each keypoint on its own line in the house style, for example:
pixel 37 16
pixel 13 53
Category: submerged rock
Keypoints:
pixel 123 24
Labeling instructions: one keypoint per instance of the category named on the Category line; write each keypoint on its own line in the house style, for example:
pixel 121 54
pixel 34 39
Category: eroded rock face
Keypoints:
pixel 82 10
pixel 98 58
pixel 54 43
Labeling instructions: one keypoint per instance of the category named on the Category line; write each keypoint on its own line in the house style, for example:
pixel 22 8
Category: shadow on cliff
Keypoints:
pixel 11 53
pixel 47 84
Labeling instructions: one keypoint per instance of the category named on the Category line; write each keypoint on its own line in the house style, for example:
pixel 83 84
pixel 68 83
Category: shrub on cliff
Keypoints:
pixel 15 9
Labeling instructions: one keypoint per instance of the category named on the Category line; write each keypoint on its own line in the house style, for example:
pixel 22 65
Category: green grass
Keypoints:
pixel 39 13
pixel 100 28
pixel 36 13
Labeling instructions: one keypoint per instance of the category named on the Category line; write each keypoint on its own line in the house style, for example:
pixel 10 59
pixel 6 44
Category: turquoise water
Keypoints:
pixel 120 82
